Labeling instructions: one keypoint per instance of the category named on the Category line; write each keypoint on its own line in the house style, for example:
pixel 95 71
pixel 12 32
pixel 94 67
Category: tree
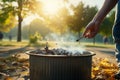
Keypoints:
pixel 6 25
pixel 77 19
pixel 82 16
pixel 29 5
pixel 58 22
pixel 89 13
pixel 6 13
pixel 24 7
pixel 106 26
pixel 36 25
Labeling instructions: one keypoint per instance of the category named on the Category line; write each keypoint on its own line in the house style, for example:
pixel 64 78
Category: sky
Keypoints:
pixel 97 3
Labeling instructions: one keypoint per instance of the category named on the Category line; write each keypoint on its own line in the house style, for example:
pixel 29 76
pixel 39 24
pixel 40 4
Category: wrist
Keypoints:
pixel 96 22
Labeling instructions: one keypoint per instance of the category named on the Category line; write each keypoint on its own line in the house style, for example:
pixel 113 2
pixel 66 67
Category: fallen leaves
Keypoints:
pixel 103 69
pixel 15 67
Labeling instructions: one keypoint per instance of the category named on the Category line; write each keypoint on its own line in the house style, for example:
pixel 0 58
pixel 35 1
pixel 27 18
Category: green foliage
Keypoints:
pixel 106 26
pixel 7 24
pixel 7 14
pixel 35 37
pixel 23 8
pixel 89 13
pixel 8 0
pixel 36 25
pixel 82 16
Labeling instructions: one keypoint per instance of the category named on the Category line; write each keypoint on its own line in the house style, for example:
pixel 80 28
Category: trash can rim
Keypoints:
pixel 47 55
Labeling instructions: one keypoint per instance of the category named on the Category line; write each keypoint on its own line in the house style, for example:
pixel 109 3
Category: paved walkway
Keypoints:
pixel 104 53
pixel 7 51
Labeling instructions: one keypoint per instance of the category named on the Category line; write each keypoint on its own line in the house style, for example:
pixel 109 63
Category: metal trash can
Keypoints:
pixel 60 67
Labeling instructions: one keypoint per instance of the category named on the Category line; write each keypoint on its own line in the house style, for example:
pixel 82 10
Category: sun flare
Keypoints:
pixel 51 7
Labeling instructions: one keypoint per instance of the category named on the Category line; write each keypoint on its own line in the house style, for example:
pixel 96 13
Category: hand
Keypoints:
pixel 91 29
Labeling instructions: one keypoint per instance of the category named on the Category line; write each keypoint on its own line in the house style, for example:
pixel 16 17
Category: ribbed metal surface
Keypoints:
pixel 60 68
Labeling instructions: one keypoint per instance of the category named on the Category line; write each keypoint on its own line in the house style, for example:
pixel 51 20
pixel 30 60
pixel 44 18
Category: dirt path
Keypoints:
pixel 104 53
pixel 7 51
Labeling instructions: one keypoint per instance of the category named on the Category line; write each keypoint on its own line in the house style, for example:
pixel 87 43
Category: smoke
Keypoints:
pixel 66 42
pixel 72 49
pixel 64 37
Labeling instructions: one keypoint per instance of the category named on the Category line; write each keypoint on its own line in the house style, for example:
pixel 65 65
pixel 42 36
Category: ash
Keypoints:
pixel 70 51
pixel 59 51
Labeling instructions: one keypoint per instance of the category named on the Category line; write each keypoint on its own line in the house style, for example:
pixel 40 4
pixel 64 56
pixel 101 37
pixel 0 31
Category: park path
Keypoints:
pixel 7 51
pixel 104 53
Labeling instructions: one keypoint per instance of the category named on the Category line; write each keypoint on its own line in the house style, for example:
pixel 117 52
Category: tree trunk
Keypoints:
pixel 19 38
pixel 20 6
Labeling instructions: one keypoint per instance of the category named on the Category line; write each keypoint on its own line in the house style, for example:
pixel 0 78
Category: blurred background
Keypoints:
pixel 52 20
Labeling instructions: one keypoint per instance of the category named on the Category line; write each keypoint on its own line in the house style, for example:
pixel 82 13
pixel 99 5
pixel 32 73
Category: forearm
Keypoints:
pixel 107 6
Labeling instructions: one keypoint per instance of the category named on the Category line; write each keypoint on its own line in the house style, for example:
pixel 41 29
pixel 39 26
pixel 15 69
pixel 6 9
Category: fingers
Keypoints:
pixel 89 34
pixel 91 30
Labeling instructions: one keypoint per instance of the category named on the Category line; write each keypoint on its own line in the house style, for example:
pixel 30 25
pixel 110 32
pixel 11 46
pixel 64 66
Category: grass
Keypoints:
pixel 53 44
pixel 13 43
pixel 100 45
